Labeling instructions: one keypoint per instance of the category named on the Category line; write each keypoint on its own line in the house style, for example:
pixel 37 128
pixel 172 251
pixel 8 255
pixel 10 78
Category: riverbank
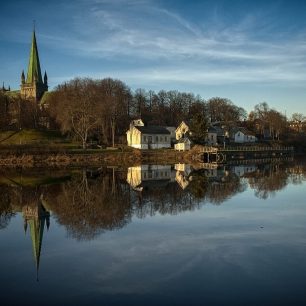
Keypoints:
pixel 77 158
pixel 27 156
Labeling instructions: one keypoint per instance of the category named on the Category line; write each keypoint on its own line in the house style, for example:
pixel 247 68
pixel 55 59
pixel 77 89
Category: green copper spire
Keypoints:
pixel 34 72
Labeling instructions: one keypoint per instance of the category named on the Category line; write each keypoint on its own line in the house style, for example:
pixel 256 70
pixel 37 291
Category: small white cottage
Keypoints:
pixel 148 137
pixel 242 135
pixel 183 144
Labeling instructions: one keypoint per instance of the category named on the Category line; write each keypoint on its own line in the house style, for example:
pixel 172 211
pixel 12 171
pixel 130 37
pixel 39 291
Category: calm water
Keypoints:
pixel 154 235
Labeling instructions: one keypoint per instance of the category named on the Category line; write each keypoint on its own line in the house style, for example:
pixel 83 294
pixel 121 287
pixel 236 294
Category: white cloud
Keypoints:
pixel 145 34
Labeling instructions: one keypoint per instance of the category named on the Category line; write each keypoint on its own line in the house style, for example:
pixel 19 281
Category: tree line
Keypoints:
pixel 102 110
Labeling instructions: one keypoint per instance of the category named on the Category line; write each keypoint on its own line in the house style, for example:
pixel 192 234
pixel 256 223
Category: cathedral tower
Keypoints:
pixel 33 87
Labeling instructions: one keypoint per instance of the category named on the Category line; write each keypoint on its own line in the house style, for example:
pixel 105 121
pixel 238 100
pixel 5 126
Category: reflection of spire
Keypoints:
pixel 25 225
pixel 36 217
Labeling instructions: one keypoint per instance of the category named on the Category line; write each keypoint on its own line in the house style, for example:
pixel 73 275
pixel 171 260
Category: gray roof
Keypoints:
pixel 153 130
pixel 184 140
pixel 242 130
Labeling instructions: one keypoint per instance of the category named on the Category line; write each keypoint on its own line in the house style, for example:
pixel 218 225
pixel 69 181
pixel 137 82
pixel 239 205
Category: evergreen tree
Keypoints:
pixel 198 128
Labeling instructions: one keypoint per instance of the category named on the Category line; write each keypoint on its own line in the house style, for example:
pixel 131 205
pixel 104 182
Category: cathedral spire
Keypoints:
pixel 33 86
pixel 34 65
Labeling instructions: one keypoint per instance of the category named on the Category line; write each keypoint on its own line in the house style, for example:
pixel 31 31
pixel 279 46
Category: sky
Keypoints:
pixel 243 50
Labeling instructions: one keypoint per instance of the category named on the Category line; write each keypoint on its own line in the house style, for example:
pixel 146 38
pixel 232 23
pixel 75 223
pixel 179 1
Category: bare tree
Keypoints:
pixel 74 106
pixel 298 120
pixel 114 102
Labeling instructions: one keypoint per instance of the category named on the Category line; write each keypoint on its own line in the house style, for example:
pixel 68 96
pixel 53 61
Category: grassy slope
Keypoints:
pixel 28 137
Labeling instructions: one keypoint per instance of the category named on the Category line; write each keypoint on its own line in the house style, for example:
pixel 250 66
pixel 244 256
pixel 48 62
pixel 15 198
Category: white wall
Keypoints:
pixel 239 137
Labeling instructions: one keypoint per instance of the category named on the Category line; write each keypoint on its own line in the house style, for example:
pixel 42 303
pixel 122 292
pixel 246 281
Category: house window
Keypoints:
pixel 166 138
pixel 156 138
pixel 160 138
pixel 145 138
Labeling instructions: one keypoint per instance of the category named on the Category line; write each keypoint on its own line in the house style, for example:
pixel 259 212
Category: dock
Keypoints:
pixel 222 155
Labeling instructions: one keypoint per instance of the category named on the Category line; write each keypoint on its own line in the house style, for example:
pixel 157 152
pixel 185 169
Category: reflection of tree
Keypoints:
pixel 215 190
pixel 6 212
pixel 166 198
pixel 91 202
pixel 169 198
pixel 220 191
pixel 268 180
pixel 297 173
pixel 87 206
pixel 199 184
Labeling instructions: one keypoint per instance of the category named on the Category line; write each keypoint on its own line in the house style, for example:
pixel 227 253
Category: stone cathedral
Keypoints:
pixel 33 86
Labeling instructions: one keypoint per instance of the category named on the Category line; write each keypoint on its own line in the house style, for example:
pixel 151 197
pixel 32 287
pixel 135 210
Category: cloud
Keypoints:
pixel 144 42
pixel 173 48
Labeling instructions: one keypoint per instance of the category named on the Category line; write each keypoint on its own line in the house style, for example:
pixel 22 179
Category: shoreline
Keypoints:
pixel 48 157
pixel 79 159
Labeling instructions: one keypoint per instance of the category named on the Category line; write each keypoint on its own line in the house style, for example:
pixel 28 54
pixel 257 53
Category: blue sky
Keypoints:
pixel 247 51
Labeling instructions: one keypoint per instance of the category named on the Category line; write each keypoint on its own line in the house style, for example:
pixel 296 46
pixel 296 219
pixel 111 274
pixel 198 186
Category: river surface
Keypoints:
pixel 154 235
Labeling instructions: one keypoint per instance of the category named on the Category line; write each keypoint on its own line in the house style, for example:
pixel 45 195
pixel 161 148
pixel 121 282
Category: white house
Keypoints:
pixel 148 137
pixel 211 137
pixel 182 130
pixel 183 144
pixel 242 135
pixel 171 129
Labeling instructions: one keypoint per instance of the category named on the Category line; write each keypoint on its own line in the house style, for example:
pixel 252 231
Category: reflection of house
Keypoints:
pixel 143 175
pixel 182 175
pixel 241 170
pixel 242 135
pixel 183 168
pixel 148 137
pixel 215 173
pixel 183 144
pixel 36 217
